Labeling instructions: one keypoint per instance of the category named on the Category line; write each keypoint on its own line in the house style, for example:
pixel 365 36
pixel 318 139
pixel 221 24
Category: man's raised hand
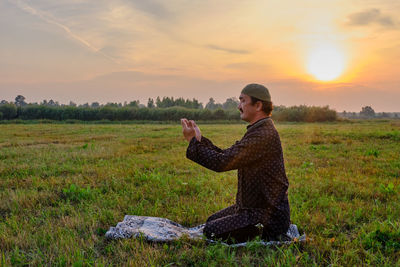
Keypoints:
pixel 190 130
pixel 196 130
pixel 187 129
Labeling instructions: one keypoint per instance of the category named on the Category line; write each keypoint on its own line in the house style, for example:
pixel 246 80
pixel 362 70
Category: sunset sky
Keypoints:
pixel 344 53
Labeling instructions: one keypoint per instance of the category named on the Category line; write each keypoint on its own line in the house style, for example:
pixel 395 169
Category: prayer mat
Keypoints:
pixel 157 229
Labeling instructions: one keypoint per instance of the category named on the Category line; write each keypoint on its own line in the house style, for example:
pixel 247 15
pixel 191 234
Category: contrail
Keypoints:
pixel 47 18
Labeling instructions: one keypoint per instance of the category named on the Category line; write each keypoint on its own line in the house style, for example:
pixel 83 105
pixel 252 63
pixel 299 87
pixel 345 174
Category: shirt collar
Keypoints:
pixel 258 122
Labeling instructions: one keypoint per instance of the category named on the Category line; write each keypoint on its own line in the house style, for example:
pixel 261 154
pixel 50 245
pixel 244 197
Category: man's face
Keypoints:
pixel 247 109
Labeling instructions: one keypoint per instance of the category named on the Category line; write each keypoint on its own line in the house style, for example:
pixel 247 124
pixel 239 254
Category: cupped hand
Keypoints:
pixel 188 129
pixel 196 130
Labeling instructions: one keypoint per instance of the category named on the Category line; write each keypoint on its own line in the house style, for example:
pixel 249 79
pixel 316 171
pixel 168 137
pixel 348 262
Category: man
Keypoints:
pixel 261 201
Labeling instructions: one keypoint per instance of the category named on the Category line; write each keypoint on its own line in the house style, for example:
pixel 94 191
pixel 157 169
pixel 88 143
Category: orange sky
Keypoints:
pixel 112 51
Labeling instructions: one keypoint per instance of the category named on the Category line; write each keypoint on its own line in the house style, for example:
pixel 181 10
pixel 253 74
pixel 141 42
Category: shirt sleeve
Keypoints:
pixel 243 153
pixel 209 144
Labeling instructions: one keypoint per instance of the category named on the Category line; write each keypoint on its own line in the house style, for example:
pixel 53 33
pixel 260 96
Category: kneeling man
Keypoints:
pixel 262 205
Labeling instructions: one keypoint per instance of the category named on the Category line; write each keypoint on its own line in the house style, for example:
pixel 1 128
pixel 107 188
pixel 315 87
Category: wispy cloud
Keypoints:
pixel 228 50
pixel 48 18
pixel 246 65
pixel 151 7
pixel 370 16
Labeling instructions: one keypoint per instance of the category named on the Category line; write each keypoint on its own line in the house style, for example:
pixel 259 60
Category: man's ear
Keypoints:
pixel 259 106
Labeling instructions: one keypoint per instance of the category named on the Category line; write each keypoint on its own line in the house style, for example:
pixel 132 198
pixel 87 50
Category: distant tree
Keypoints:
pixel 150 103
pixel 230 103
pixel 110 104
pixel 134 104
pixel 158 102
pixel 95 105
pixel 385 115
pixel 194 103
pixel 367 111
pixel 212 105
pixel 168 102
pixel 3 102
pixel 165 102
pixel 52 103
pixel 219 114
pixel 20 101
pixel 180 102
pixel 72 104
pixel 9 111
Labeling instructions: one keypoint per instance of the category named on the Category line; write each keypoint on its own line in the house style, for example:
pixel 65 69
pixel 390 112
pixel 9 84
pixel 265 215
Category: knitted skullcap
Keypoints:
pixel 258 91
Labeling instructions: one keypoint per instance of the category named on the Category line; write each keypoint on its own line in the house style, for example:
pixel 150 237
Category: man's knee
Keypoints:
pixel 209 231
pixel 237 235
pixel 211 218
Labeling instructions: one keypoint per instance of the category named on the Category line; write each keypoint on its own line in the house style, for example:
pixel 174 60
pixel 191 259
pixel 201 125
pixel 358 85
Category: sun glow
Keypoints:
pixel 326 62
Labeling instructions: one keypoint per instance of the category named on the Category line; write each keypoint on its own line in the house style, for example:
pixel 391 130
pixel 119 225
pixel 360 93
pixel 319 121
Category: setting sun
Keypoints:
pixel 326 63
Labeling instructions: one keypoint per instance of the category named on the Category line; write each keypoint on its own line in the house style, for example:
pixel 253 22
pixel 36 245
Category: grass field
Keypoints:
pixel 63 185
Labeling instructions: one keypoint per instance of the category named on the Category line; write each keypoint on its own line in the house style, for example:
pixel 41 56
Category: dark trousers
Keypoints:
pixel 233 225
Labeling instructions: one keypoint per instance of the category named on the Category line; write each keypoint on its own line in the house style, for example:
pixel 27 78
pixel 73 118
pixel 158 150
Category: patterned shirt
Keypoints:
pixel 262 181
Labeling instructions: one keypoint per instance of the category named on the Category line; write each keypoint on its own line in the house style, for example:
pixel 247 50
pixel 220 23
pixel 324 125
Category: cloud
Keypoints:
pixel 246 65
pixel 370 16
pixel 151 7
pixel 228 50
pixel 48 18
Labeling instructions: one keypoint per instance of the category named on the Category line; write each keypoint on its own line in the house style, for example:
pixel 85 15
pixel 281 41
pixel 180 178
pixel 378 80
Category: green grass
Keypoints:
pixel 63 185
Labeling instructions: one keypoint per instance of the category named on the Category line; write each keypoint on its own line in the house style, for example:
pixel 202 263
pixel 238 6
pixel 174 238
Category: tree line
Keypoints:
pixel 368 112
pixel 162 109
